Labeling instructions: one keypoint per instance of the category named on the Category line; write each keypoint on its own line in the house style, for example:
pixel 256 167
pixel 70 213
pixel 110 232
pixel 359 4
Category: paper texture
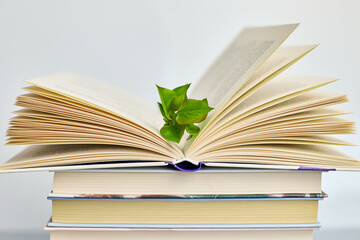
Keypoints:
pixel 103 96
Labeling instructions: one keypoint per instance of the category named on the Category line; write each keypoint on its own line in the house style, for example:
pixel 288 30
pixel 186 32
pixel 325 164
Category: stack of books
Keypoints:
pixel 89 133
pixel 162 203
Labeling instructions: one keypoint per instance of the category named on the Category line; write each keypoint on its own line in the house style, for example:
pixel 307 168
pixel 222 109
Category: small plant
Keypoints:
pixel 180 113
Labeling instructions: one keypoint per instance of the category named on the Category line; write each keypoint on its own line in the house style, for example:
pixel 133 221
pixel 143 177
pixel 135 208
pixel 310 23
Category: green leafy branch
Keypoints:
pixel 180 113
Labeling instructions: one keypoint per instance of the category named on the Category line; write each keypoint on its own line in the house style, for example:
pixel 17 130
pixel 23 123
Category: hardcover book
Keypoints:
pixel 190 211
pixel 165 182
pixel 259 119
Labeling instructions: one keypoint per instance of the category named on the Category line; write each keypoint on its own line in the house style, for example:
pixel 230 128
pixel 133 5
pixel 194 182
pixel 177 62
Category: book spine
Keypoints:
pixel 187 166
pixel 316 169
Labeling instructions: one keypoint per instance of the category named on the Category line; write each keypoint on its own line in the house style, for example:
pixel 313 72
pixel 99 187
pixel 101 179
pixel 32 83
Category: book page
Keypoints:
pixel 235 65
pixel 280 60
pixel 102 96
pixel 281 130
pixel 257 123
pixel 278 90
pixel 70 154
pixel 242 57
pixel 298 108
pixel 284 154
pixel 292 107
pixel 62 119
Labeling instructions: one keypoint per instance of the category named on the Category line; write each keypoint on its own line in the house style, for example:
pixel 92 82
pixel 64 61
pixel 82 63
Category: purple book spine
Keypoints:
pixel 316 169
pixel 179 167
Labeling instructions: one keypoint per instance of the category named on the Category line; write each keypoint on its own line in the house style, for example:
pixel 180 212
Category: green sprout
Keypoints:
pixel 180 113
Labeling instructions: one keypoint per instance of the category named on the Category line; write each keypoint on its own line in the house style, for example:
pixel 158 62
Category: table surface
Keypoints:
pixel 319 235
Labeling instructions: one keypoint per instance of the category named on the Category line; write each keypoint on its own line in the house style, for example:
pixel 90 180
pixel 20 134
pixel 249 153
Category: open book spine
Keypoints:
pixel 186 165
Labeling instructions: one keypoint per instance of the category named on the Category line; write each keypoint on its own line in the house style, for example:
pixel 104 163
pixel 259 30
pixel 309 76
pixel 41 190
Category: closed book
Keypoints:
pixel 166 181
pixel 185 211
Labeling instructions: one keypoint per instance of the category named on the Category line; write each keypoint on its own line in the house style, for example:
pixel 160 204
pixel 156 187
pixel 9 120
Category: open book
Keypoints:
pixel 260 119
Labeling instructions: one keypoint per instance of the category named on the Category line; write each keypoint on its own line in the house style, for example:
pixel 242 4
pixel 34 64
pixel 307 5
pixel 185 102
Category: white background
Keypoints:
pixel 135 44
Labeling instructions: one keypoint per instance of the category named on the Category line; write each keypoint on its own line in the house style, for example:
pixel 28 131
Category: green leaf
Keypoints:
pixel 162 110
pixel 205 101
pixel 204 116
pixel 176 103
pixel 180 113
pixel 182 90
pixel 192 111
pixel 166 96
pixel 172 133
pixel 192 129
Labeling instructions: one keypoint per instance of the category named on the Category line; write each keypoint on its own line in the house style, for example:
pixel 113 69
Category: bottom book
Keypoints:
pixel 181 232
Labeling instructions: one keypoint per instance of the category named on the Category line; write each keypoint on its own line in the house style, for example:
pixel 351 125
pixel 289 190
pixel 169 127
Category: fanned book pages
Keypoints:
pixel 260 119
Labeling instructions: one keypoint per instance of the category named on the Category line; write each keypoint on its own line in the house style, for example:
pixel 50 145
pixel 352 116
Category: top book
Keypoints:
pixel 260 119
